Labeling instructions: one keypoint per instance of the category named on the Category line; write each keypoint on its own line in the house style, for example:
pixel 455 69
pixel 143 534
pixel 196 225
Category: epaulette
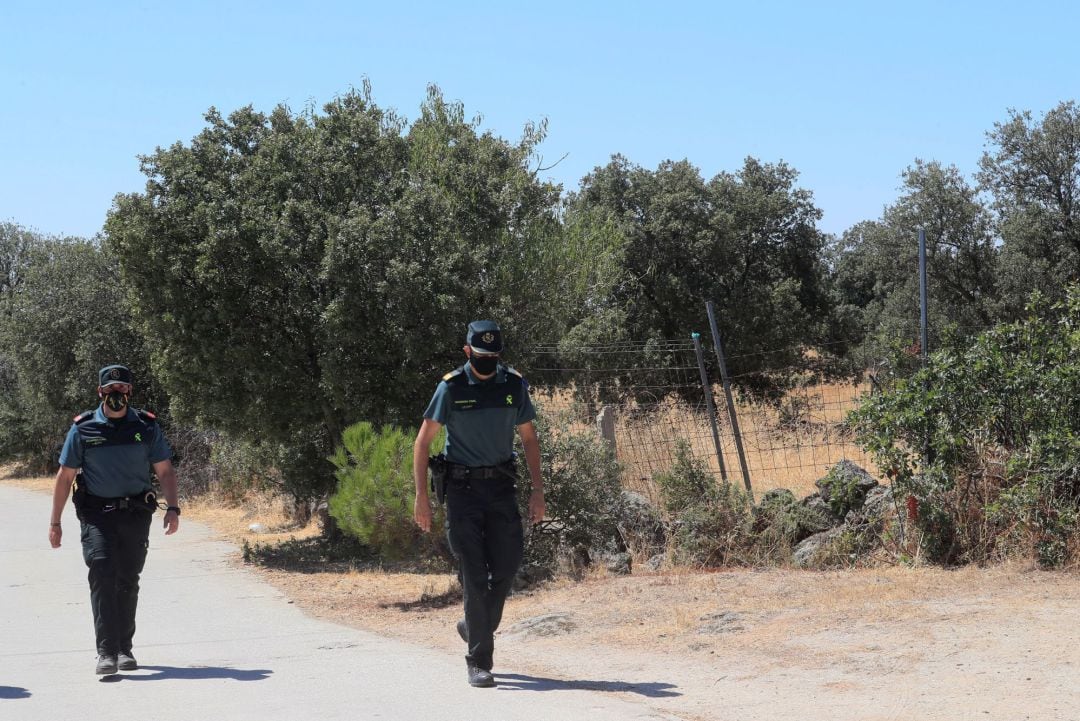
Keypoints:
pixel 145 414
pixel 85 415
pixel 513 372
pixel 453 374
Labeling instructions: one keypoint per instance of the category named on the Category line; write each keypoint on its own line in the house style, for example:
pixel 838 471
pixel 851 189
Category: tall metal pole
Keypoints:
pixel 719 347
pixel 928 452
pixel 707 388
pixel 923 333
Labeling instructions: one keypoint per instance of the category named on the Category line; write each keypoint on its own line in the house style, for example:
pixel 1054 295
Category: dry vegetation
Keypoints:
pixel 790 446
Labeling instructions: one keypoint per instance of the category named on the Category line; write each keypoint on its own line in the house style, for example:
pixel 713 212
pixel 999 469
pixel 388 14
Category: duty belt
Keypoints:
pixel 146 502
pixel 503 471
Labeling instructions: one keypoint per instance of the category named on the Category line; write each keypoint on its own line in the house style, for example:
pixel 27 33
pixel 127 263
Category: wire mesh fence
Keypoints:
pixel 651 399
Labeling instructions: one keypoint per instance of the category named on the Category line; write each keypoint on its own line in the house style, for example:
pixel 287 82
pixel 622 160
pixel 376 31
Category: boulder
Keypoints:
pixel 619 563
pixel 844 488
pixel 640 525
pixel 783 516
pixel 804 553
pixel 817 505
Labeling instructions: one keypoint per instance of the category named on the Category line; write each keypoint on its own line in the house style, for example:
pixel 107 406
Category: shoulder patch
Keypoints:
pixel 145 414
pixel 84 416
pixel 453 374
pixel 513 372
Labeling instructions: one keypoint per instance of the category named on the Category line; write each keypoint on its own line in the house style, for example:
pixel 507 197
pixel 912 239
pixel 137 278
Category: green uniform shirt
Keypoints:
pixel 115 455
pixel 480 416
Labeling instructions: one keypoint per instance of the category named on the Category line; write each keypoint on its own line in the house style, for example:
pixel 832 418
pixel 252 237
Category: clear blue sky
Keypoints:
pixel 849 94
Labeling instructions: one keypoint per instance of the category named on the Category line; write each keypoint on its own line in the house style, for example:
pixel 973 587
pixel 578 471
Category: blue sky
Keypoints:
pixel 849 94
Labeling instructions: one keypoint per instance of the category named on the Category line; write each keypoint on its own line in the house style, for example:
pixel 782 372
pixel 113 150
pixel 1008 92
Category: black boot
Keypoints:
pixel 480 678
pixel 106 664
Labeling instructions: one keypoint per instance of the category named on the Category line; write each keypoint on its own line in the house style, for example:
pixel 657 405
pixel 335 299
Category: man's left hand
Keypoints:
pixel 172 522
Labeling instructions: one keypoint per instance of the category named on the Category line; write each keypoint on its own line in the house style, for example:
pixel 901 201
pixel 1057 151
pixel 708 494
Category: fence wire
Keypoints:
pixel 654 393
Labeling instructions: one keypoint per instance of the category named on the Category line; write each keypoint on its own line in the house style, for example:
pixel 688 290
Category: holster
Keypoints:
pixel 437 465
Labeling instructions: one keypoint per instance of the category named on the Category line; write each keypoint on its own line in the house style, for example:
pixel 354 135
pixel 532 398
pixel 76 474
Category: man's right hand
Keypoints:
pixel 55 534
pixel 422 512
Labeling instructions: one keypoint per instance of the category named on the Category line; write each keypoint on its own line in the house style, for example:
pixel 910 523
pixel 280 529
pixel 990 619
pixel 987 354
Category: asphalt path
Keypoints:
pixel 216 642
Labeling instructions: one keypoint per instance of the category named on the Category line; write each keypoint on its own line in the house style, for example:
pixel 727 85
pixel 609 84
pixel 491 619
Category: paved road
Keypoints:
pixel 216 642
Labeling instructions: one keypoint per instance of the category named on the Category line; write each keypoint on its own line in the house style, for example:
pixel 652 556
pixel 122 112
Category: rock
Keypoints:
pixel 550 624
pixel 656 562
pixel 845 487
pixel 720 622
pixel 531 575
pixel 780 514
pixel 257 528
pixel 640 526
pixel 817 505
pixel 878 504
pixel 804 553
pixel 620 563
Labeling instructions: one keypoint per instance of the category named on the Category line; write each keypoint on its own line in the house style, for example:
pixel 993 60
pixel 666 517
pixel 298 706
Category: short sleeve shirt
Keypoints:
pixel 115 455
pixel 480 415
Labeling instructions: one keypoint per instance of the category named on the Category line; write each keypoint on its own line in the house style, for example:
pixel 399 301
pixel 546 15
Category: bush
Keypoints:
pixel 582 492
pixel 780 522
pixel 709 521
pixel 983 442
pixel 375 493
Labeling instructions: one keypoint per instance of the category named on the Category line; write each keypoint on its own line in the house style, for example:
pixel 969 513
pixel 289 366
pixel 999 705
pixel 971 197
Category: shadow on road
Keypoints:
pixel 518 682
pixel 194 673
pixel 13 692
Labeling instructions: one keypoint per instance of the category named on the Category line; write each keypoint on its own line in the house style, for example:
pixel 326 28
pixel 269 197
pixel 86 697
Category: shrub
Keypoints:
pixel 375 492
pixel 582 492
pixel 983 442
pixel 708 520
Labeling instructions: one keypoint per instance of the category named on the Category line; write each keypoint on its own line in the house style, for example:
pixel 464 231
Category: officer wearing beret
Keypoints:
pixel 107 455
pixel 481 404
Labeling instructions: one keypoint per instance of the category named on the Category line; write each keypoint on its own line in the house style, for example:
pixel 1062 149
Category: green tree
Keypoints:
pixel 375 492
pixel 64 317
pixel 875 263
pixel 746 240
pixel 300 272
pixel 1032 169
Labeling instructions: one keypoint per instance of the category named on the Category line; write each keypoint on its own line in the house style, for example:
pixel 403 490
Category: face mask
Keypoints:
pixel 484 366
pixel 117 401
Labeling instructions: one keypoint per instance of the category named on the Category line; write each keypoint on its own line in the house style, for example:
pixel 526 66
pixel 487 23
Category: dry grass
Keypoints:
pixel 790 446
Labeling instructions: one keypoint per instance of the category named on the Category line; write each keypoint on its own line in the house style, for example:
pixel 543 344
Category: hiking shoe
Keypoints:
pixel 463 630
pixel 126 662
pixel 106 664
pixel 479 678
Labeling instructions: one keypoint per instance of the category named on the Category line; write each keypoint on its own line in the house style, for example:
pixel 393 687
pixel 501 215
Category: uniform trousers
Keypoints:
pixel 114 547
pixel 485 535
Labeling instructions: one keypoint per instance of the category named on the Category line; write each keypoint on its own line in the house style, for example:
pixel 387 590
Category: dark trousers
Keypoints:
pixel 114 547
pixel 484 530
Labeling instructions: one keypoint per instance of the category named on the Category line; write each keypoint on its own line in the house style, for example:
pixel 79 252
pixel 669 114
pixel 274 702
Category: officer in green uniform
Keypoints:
pixel 108 454
pixel 481 404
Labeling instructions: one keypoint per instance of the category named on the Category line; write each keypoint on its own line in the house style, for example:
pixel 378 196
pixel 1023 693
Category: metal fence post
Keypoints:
pixel 709 407
pixel 718 346
pixel 924 333
pixel 605 427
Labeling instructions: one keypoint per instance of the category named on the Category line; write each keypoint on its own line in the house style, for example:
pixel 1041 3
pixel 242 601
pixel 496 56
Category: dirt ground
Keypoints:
pixel 746 645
